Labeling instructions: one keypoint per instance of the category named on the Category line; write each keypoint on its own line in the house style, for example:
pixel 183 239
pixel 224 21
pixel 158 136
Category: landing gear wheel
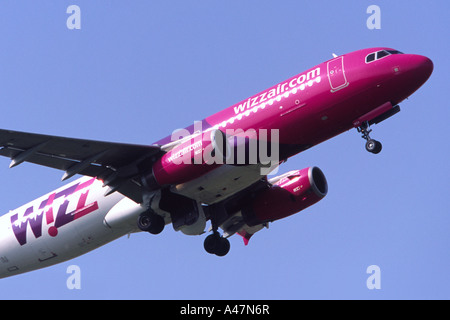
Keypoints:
pixel 215 244
pixel 223 247
pixel 210 243
pixel 151 222
pixel 373 146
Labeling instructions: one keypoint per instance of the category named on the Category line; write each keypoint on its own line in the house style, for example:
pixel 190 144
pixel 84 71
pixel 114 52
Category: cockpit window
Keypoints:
pixel 370 57
pixel 381 54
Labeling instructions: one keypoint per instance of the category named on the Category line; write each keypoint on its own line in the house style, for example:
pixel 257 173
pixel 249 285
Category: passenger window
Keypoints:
pixel 370 57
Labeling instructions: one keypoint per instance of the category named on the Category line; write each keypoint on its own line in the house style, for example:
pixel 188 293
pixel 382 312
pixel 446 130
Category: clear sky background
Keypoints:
pixel 137 70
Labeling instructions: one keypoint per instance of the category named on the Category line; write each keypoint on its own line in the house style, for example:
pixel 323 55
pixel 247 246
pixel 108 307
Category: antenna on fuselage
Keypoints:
pixel 334 55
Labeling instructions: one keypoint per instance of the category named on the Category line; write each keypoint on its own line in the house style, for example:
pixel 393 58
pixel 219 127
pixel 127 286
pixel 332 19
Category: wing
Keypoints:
pixel 116 164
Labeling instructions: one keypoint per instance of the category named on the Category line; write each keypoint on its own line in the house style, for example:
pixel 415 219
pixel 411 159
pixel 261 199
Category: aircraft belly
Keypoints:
pixel 220 183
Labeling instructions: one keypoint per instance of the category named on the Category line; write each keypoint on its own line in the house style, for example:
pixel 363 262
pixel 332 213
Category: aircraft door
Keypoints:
pixel 336 74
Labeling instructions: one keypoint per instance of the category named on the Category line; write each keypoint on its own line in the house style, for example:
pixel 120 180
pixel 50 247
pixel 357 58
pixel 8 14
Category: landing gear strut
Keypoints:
pixel 372 145
pixel 215 243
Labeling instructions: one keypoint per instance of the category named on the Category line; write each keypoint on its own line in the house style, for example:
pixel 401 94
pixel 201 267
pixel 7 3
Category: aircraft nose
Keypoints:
pixel 421 67
pixel 425 66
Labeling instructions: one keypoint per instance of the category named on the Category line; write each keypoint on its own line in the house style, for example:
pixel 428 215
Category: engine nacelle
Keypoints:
pixel 124 215
pixel 191 159
pixel 289 194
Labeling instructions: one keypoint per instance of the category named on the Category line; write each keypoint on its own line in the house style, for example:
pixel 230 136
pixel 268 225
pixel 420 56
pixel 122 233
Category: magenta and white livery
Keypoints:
pixel 214 170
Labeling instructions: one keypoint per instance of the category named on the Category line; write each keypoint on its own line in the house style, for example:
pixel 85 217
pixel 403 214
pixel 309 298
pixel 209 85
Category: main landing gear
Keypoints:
pixel 151 222
pixel 372 145
pixel 216 244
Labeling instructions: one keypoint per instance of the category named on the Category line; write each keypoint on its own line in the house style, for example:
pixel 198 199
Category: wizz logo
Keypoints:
pixel 47 206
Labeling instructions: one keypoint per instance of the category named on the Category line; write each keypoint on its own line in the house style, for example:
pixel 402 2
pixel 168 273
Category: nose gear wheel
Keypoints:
pixel 372 145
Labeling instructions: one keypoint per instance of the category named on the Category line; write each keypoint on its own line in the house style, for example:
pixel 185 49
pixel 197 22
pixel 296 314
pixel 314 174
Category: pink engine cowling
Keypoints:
pixel 191 158
pixel 292 193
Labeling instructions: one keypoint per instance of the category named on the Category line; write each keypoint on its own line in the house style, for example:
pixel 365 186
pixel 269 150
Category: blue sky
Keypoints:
pixel 137 70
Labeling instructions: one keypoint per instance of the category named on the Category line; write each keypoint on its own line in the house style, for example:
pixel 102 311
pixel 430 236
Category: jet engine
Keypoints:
pixel 290 193
pixel 190 159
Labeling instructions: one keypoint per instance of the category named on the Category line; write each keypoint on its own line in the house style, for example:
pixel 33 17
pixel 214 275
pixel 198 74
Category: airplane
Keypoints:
pixel 216 170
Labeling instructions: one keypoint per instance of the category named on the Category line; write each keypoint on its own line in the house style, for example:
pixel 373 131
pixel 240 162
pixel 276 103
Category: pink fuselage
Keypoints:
pixel 323 101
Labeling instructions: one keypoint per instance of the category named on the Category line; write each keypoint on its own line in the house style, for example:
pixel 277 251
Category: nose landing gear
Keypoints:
pixel 372 145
